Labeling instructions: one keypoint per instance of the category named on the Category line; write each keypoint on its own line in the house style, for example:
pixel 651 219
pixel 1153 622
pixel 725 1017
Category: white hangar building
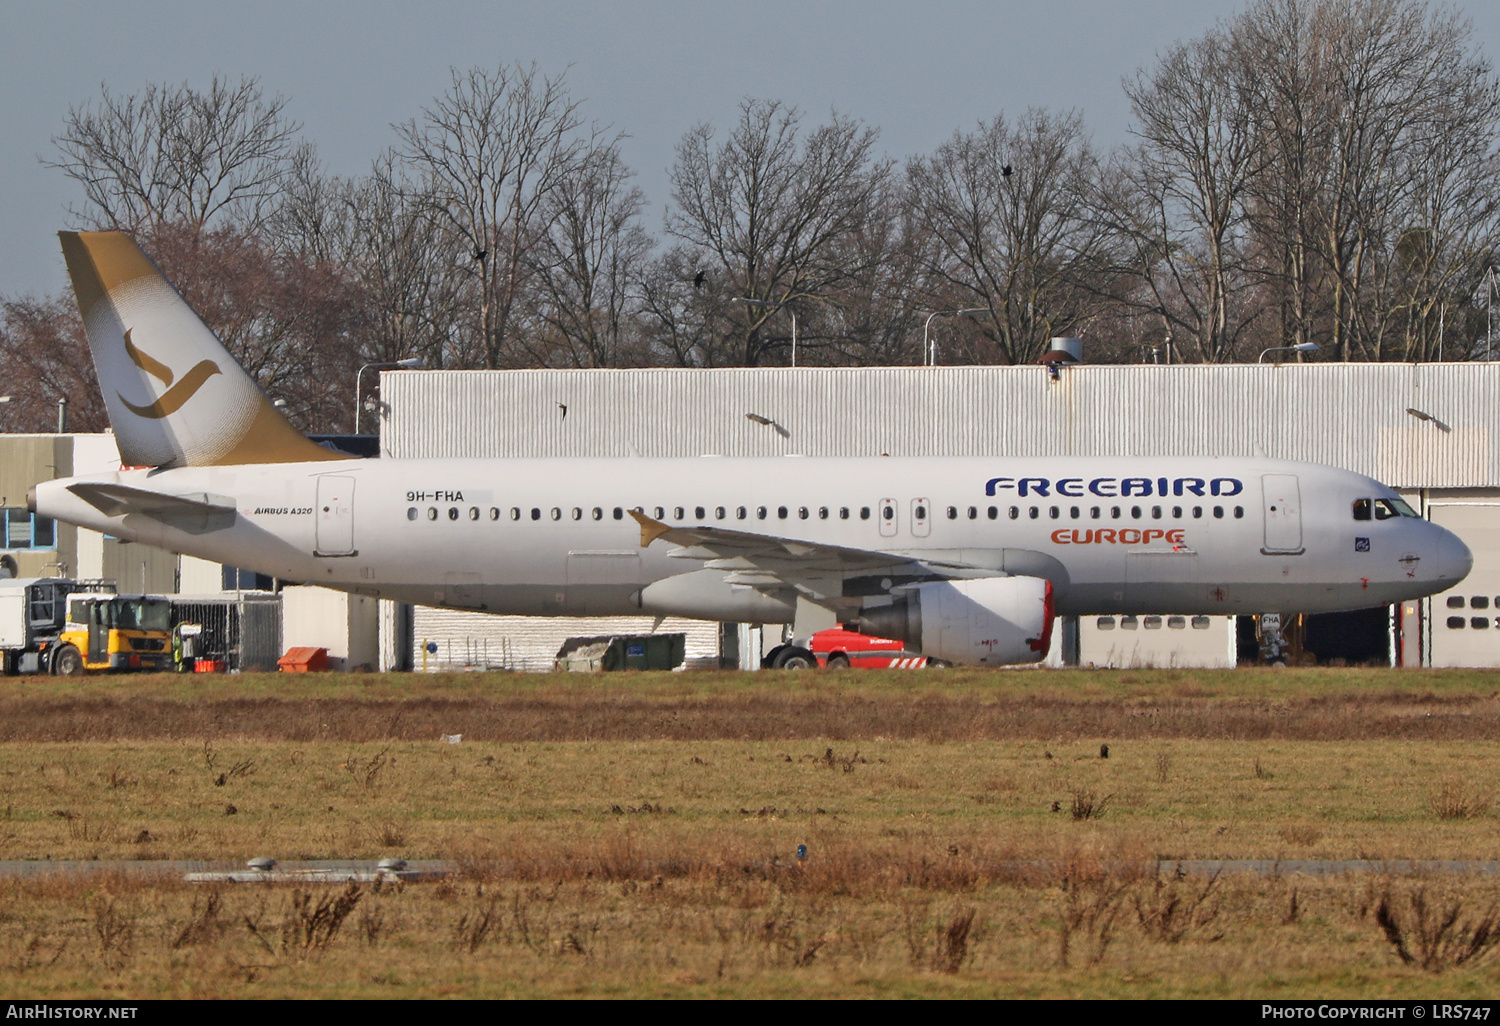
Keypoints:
pixel 1428 430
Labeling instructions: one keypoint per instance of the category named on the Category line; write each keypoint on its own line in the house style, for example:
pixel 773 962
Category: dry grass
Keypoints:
pixel 637 836
pixel 717 931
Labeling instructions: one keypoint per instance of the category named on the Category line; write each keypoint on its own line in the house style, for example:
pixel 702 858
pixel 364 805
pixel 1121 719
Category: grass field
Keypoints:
pixel 636 834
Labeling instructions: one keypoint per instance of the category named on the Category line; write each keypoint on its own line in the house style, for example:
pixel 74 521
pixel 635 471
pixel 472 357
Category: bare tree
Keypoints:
pixel 44 358
pixel 490 152
pixel 1178 200
pixel 586 264
pixel 175 154
pixel 1008 211
pixel 766 212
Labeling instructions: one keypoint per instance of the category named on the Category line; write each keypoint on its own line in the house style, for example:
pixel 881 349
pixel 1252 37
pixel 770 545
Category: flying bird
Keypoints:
pixel 564 408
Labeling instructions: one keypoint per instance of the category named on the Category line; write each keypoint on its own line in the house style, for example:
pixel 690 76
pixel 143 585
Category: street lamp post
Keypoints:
pixel 408 364
pixel 930 348
pixel 1300 347
pixel 775 306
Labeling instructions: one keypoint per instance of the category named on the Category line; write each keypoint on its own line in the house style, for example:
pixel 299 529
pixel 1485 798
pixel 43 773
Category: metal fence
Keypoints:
pixel 244 630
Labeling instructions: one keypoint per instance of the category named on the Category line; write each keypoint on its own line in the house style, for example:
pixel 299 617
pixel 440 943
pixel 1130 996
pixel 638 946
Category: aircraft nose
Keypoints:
pixel 1454 560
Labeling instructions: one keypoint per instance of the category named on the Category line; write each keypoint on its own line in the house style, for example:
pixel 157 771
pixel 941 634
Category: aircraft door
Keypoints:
pixel 888 519
pixel 335 516
pixel 1282 506
pixel 921 514
pixel 99 631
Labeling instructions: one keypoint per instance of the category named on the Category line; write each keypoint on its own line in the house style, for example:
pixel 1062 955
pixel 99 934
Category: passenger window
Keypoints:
pixel 598 513
pixel 993 512
pixel 1073 512
pixel 431 512
pixel 1455 623
pixel 619 513
pixel 739 512
pixel 952 512
pixel 1361 509
pixel 1015 512
pixel 515 513
pixel 1105 623
pixel 1128 623
pixel 494 512
pixel 1034 512
pixel 452 512
pixel 1054 512
pixel 1455 601
pixel 1200 623
pixel 1218 512
pixel 698 513
pixel 760 512
pixel 781 512
pixel 973 513
pixel 1479 623
pixel 1114 512
pixel 843 512
pixel 921 512
pixel 1177 623
pixel 1197 512
pixel 1176 512
pixel 1239 512
pixel 678 512
pixel 577 513
pixel 802 512
pixel 473 512
pixel 1152 623
pixel 556 513
pixel 719 513
pixel 536 514
pixel 1135 512
pixel 1094 512
pixel 864 512
pixel 411 514
pixel 660 514
pixel 1155 512
pixel 888 512
pixel 822 512
pixel 1479 602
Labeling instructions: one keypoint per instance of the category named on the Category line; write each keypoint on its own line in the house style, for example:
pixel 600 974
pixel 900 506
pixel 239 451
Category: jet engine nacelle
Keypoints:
pixel 706 595
pixel 996 621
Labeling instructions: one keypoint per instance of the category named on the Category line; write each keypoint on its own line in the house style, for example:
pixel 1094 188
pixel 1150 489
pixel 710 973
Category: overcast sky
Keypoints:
pixel 649 68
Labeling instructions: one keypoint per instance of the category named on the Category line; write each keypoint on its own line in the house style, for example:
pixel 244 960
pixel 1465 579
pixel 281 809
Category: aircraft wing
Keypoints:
pixel 822 572
pixel 197 513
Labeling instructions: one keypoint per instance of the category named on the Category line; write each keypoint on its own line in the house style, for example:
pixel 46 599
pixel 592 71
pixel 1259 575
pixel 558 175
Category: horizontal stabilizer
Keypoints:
pixel 197 513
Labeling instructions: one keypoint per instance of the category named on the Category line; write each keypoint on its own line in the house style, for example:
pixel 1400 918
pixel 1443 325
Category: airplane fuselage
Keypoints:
pixel 555 537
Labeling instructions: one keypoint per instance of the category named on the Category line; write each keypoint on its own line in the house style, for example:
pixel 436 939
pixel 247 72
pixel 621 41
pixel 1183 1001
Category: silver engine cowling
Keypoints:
pixel 996 621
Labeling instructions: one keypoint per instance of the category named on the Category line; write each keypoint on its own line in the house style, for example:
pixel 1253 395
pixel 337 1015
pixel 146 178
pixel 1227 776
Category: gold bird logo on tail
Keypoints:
pixel 176 396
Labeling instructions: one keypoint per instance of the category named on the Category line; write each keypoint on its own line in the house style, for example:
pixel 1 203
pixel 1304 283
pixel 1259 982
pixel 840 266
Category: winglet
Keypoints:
pixel 176 397
pixel 650 529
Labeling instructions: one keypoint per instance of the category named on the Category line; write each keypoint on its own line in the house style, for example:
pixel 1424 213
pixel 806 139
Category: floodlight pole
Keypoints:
pixel 409 363
pixel 929 348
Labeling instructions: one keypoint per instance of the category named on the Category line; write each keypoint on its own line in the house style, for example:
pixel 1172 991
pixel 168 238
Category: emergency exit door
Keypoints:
pixel 335 516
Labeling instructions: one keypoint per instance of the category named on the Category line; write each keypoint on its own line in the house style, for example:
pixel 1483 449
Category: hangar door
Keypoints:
pixel 1465 622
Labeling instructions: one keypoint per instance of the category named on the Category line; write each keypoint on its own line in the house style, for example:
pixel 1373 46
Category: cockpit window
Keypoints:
pixel 1389 509
pixel 1361 509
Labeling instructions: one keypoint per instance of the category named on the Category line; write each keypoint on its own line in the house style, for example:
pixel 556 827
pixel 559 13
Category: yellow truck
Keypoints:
pixel 61 626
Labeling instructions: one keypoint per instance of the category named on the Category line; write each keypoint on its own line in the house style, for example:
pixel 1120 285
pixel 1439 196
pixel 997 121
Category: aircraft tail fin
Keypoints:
pixel 175 396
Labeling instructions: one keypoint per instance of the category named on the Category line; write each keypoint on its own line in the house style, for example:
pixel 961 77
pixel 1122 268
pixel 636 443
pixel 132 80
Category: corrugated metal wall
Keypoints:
pixel 1348 415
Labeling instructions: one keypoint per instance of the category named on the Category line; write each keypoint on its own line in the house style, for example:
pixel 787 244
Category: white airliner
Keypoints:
pixel 964 559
